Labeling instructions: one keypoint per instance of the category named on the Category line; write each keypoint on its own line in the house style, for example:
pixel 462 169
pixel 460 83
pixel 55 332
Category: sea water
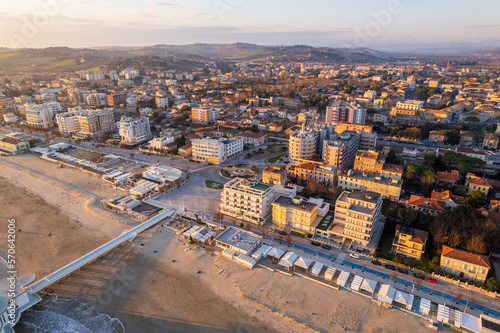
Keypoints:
pixel 59 315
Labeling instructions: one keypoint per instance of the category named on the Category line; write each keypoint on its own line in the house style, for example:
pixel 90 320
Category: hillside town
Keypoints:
pixel 391 169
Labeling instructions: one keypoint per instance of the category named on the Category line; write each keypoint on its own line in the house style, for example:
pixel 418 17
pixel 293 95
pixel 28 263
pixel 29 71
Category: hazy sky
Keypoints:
pixel 88 23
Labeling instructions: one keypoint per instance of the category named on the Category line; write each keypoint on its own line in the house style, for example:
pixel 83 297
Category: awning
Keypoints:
pixel 425 306
pixel 369 285
pixel 303 263
pixel 401 297
pixel 386 293
pixel 288 259
pixel 342 279
pixel 276 253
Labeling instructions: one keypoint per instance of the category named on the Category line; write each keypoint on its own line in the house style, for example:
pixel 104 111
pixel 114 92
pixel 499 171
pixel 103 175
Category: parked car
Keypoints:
pixel 282 233
pixel 326 246
pixel 432 280
pixel 315 243
pixel 402 270
pixel 354 255
pixel 392 267
pixel 376 262
pixel 419 276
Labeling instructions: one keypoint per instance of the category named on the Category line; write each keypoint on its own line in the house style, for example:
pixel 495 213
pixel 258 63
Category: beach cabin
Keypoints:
pixel 303 263
pixel 386 294
pixel 288 260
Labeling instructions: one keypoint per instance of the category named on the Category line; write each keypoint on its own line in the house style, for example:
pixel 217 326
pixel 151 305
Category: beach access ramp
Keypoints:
pixel 87 258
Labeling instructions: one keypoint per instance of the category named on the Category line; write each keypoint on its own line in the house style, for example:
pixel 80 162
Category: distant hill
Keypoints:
pixel 253 52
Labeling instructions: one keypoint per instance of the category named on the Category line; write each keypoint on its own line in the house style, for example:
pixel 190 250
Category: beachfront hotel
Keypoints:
pixel 134 131
pixel 216 150
pixel 356 214
pixel 85 123
pixel 298 214
pixel 247 200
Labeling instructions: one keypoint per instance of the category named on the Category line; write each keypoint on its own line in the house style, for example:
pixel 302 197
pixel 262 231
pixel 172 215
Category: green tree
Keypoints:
pixel 254 128
pixel 430 158
pixel 492 284
pixel 474 198
pixel 472 119
pixel 412 170
pixel 185 108
pixel 285 122
pixel 428 177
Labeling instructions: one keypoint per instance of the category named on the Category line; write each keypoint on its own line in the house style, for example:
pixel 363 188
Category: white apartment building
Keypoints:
pixel 161 102
pixel 371 94
pixel 302 146
pixel 247 200
pixel 96 99
pixel 86 123
pixel 159 143
pixel 413 105
pixel 10 118
pixel 134 130
pixel 340 150
pixel 95 76
pixel 357 116
pixel 342 111
pixel 216 150
pixel 356 214
pixel 38 116
pixel 204 114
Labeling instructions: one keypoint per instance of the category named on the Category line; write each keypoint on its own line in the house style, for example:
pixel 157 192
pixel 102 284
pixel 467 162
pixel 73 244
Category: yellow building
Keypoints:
pixel 465 265
pixel 295 213
pixel 341 127
pixel 409 242
pixel 368 161
pixel 274 175
pixel 490 141
pixel 356 180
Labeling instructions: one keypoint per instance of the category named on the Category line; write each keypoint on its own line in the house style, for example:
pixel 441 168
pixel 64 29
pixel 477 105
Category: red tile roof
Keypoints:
pixel 469 257
pixel 447 195
pixel 427 203
pixel 445 175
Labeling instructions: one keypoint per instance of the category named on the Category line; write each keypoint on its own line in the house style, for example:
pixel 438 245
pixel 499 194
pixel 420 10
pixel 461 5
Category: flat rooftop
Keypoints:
pixel 295 203
pixel 238 238
pixel 365 196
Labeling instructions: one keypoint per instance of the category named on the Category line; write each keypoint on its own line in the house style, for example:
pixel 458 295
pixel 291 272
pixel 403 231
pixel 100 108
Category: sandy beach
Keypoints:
pixel 152 284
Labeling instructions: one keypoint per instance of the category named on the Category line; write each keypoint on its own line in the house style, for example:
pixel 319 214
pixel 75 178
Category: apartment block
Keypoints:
pixel 296 213
pixel 356 214
pixel 341 111
pixel 247 200
pixel 356 180
pixel 216 150
pixel 205 114
pixel 340 150
pixel 134 131
pixel 38 116
pixel 305 171
pixel 369 161
pixel 86 123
